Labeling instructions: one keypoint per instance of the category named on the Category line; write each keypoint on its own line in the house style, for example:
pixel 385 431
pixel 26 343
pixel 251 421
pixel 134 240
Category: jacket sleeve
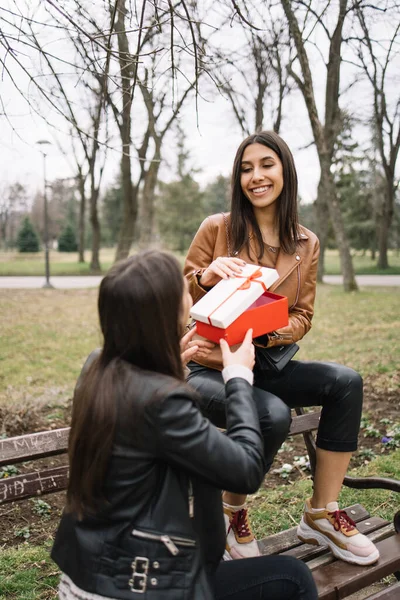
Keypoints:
pixel 235 461
pixel 200 256
pixel 301 313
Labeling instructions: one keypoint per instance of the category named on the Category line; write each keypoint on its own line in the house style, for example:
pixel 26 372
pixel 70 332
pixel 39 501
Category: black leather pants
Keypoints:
pixel 336 388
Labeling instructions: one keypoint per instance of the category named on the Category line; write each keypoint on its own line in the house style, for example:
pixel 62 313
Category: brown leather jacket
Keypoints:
pixel 297 281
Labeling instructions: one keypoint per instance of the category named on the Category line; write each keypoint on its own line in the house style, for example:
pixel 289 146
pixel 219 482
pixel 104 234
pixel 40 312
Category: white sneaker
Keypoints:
pixel 334 528
pixel 240 541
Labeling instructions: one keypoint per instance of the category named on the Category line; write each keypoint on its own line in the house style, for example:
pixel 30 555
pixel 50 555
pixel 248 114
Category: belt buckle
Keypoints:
pixel 138 581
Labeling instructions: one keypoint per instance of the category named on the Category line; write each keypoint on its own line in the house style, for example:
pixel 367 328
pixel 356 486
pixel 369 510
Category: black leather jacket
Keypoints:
pixel 162 534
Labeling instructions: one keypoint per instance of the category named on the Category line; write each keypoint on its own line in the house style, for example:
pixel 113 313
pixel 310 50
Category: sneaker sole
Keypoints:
pixel 310 536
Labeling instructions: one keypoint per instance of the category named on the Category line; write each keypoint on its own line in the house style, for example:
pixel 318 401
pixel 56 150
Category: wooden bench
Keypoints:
pixel 335 579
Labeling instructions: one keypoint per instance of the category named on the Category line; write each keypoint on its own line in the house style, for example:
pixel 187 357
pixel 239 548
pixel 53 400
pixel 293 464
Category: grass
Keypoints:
pixel 28 573
pixel 47 334
pixel 363 265
pixel 44 337
pixel 359 329
pixel 61 263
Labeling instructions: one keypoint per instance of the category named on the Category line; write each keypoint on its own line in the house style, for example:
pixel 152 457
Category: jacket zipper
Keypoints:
pixel 191 500
pixel 168 541
pixel 279 281
pixel 298 287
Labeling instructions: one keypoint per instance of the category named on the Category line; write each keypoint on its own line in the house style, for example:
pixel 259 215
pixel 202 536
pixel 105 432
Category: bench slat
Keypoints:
pixel 389 593
pixel 303 423
pixel 48 443
pixel 33 484
pixel 341 579
pixel 35 445
pixel 284 540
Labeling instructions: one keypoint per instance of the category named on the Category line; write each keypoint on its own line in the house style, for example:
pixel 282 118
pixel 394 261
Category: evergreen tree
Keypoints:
pixel 180 204
pixel 180 212
pixel 217 196
pixel 67 240
pixel 357 185
pixel 27 240
pixel 111 213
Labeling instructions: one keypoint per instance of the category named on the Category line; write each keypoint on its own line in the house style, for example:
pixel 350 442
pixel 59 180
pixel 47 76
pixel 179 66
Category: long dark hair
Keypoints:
pixel 243 219
pixel 139 304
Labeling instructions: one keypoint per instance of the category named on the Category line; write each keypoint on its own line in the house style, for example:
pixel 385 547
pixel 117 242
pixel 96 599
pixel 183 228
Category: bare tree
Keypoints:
pixel 160 118
pixel 12 200
pixel 158 84
pixel 324 133
pixel 255 77
pixel 379 60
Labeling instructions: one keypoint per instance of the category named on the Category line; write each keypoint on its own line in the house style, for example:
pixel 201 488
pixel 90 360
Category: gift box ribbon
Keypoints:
pixel 249 279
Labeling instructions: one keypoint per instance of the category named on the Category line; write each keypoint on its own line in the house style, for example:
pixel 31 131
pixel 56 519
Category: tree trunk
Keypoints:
pixel 385 222
pixel 130 193
pixel 96 236
pixel 336 218
pixel 147 212
pixel 81 225
pixel 95 266
pixel 322 210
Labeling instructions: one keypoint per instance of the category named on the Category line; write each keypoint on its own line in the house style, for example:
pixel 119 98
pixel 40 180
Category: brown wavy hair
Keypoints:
pixel 139 305
pixel 243 220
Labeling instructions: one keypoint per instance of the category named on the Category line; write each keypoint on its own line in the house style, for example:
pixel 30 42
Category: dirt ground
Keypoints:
pixel 33 522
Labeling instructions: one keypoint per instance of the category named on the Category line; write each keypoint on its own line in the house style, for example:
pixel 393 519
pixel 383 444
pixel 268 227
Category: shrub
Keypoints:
pixel 27 240
pixel 67 240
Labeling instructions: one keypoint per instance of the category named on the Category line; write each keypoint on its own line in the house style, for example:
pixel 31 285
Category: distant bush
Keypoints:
pixel 67 240
pixel 27 240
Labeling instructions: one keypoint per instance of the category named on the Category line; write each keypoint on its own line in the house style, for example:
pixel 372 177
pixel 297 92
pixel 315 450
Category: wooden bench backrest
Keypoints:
pixel 50 443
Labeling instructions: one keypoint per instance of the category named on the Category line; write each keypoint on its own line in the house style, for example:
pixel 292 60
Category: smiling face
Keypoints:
pixel 261 176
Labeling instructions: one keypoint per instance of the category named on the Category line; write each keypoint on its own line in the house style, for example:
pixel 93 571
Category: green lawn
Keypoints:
pixel 28 573
pixel 363 265
pixel 46 335
pixel 61 263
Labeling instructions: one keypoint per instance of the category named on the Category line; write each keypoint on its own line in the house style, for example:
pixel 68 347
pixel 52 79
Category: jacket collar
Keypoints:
pixel 286 263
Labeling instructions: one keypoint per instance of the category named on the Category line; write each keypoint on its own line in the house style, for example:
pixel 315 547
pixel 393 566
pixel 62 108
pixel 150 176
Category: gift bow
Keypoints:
pixel 245 286
pixel 253 277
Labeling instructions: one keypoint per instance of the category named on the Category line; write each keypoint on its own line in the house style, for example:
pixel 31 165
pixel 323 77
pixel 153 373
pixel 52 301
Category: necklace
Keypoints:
pixel 273 249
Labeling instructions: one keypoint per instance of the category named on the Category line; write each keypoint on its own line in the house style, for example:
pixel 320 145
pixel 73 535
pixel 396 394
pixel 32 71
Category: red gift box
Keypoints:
pixel 268 313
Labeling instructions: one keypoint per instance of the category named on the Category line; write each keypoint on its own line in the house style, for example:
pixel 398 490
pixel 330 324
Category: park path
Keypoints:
pixel 83 281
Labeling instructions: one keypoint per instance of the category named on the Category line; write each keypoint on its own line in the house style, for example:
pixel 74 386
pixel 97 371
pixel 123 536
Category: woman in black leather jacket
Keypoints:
pixel 144 512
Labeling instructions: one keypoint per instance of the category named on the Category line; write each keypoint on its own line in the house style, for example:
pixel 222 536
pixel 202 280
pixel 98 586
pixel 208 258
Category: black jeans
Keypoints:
pixel 264 578
pixel 338 389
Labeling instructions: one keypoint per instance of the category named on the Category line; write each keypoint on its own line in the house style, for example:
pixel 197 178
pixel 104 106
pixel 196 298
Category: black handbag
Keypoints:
pixel 275 358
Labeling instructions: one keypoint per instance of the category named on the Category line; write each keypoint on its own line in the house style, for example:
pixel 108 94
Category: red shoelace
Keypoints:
pixel 240 522
pixel 342 520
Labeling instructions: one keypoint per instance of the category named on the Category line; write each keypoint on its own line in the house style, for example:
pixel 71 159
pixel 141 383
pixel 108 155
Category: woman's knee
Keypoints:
pixel 347 384
pixel 275 415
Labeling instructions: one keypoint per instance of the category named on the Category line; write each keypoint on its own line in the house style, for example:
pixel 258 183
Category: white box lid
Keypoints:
pixel 224 303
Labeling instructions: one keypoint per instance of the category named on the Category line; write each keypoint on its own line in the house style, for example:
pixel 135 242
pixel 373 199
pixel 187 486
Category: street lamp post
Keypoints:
pixel 43 144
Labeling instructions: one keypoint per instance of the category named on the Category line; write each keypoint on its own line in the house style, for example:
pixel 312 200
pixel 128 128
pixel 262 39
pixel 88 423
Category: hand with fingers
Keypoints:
pixel 244 355
pixel 194 348
pixel 222 267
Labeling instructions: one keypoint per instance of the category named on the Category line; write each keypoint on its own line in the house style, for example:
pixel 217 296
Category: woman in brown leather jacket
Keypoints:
pixel 262 228
pixel 144 512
